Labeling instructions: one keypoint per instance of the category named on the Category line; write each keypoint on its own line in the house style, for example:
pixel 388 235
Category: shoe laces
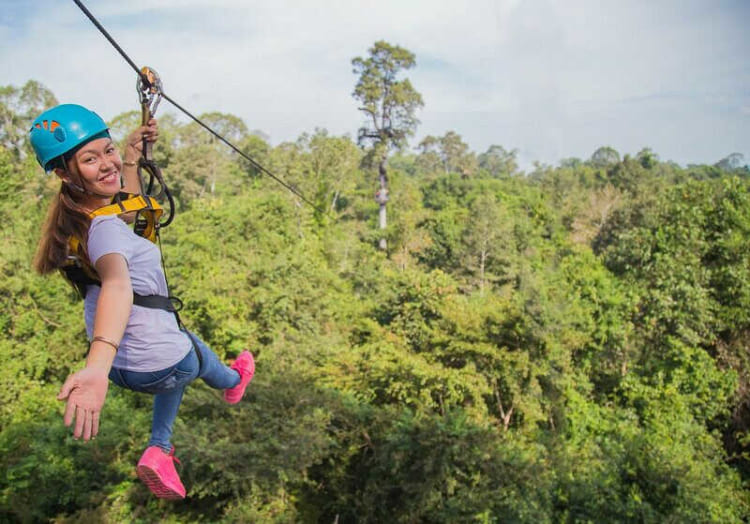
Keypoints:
pixel 171 454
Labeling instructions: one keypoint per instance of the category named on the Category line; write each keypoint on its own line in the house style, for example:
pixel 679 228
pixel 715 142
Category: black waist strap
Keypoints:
pixel 171 304
pixel 81 279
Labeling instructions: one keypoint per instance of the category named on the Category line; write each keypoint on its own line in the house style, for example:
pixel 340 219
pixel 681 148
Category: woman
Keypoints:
pixel 136 347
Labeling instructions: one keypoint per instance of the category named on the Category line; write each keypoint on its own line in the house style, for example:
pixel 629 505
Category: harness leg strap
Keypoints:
pixel 197 351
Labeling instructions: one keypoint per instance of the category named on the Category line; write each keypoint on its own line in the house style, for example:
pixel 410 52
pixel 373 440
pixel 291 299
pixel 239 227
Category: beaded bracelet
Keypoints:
pixel 106 341
pixel 125 162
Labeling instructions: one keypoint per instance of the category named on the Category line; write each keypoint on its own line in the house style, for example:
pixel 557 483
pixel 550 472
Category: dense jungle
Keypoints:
pixel 560 343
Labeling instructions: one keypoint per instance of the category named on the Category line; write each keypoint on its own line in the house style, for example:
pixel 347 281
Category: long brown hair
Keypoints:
pixel 66 218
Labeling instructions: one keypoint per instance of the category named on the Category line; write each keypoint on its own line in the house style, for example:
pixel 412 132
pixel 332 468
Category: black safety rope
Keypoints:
pixel 146 82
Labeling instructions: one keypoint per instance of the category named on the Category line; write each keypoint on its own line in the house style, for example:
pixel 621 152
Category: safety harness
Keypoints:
pixel 148 211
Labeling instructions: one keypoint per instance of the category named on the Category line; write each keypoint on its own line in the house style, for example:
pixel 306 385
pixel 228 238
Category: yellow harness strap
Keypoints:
pixel 150 211
pixel 81 274
pixel 148 206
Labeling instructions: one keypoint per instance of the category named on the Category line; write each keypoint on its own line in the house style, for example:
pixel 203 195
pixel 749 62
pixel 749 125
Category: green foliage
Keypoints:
pixel 321 167
pixel 389 104
pixel 447 469
pixel 448 153
pixel 696 227
pixel 648 461
pixel 498 162
pixel 567 346
pixel 18 108
pixel 605 156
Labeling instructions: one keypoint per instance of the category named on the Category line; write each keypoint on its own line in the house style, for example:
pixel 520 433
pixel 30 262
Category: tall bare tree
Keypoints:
pixel 390 107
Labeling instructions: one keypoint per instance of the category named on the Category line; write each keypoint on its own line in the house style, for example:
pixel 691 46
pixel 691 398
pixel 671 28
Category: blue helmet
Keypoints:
pixel 62 129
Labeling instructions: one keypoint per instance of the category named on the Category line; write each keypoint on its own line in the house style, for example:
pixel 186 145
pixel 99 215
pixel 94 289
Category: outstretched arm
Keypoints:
pixel 86 390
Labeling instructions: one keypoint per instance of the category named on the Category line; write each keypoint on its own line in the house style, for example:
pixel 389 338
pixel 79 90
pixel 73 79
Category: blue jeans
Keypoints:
pixel 168 386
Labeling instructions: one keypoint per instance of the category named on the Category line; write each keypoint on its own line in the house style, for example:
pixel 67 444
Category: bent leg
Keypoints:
pixel 168 386
pixel 213 371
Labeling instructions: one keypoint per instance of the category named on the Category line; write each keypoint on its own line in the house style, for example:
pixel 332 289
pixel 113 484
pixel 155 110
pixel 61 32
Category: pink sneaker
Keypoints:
pixel 156 470
pixel 245 366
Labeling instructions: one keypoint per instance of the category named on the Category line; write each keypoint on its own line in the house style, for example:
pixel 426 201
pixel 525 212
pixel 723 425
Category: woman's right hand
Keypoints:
pixel 134 151
pixel 85 392
pixel 134 143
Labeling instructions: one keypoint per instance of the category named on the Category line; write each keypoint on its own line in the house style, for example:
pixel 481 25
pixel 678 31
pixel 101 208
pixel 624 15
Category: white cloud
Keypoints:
pixel 553 79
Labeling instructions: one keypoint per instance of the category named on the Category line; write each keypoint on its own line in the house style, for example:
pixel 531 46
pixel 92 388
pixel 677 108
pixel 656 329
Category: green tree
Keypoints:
pixel 605 156
pixel 389 105
pixel 647 158
pixel 450 151
pixel 489 240
pixel 18 108
pixel 256 147
pixel 734 163
pixel 428 160
pixel 202 165
pixel 498 162
pixel 321 166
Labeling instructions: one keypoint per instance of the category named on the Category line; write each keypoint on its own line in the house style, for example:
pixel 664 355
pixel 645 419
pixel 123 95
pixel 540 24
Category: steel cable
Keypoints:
pixel 146 81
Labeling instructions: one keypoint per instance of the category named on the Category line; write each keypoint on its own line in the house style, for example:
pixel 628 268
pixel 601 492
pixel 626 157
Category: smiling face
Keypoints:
pixel 95 167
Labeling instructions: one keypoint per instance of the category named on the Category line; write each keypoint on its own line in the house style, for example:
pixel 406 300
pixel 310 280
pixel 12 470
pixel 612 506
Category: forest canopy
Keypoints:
pixel 567 343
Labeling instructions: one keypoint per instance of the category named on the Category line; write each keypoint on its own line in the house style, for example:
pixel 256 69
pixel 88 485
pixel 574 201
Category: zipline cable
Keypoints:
pixel 238 151
pixel 146 82
pixel 112 41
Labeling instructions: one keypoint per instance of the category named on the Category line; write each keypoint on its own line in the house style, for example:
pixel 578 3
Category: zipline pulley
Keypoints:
pixel 149 88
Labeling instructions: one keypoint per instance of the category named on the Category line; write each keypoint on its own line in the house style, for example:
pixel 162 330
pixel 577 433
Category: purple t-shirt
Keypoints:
pixel 152 339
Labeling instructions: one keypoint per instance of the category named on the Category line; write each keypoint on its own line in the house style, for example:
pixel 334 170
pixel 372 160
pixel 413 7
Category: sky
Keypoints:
pixel 552 79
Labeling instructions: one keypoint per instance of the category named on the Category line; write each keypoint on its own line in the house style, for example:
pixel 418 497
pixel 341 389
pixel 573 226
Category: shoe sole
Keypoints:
pixel 151 479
